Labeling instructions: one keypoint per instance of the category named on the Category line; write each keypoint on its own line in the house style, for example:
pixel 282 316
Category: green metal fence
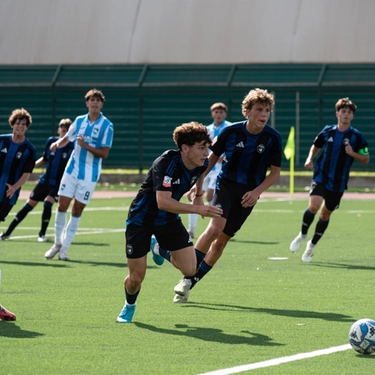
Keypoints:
pixel 146 102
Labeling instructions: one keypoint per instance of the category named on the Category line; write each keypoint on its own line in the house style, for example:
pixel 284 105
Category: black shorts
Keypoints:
pixel 5 208
pixel 228 196
pixel 331 199
pixel 41 191
pixel 172 236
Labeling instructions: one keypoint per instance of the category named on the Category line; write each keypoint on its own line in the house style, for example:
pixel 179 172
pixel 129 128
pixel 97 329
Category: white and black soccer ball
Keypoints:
pixel 362 336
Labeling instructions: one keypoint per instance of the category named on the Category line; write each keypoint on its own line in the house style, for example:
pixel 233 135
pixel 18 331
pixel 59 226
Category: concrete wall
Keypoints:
pixel 186 31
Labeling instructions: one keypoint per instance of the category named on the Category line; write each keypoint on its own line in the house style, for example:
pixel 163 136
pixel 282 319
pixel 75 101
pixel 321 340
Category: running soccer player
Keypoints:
pixel 93 134
pixel 48 184
pixel 341 144
pixel 155 209
pixel 17 160
pixel 218 113
pixel 251 147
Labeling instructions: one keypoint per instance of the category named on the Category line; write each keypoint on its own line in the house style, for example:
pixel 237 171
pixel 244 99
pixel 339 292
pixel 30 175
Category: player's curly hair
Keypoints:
pixel 345 102
pixel 20 114
pixel 191 133
pixel 256 96
pixel 95 93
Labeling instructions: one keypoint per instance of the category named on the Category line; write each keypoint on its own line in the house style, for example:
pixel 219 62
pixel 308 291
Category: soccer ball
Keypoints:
pixel 362 336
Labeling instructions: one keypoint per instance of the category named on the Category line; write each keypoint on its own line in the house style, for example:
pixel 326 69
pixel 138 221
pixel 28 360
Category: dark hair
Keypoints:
pixel 65 123
pixel 345 102
pixel 191 133
pixel 20 114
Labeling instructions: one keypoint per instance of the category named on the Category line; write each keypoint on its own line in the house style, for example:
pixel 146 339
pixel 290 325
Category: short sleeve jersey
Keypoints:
pixel 56 162
pixel 82 163
pixel 248 156
pixel 333 166
pixel 167 173
pixel 214 132
pixel 15 160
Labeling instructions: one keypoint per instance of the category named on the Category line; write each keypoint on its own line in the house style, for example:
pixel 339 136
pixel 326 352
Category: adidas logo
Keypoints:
pixel 330 139
pixel 4 150
pixel 240 144
pixel 177 182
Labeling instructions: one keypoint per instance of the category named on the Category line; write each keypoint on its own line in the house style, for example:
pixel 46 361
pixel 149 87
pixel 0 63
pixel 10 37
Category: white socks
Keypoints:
pixel 60 221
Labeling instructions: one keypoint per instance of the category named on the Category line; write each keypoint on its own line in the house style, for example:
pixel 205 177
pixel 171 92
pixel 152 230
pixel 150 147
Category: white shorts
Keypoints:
pixel 72 187
pixel 210 181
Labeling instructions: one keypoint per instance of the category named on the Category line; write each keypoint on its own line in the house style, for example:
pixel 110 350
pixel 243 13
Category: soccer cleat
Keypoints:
pixel 297 242
pixel 52 251
pixel 183 287
pixel 3 237
pixel 63 255
pixel 309 252
pixel 180 299
pixel 158 259
pixel 42 239
pixel 5 314
pixel 126 314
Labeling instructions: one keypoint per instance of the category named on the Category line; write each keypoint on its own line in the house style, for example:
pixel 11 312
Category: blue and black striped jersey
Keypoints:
pixel 56 162
pixel 333 166
pixel 167 173
pixel 247 156
pixel 15 160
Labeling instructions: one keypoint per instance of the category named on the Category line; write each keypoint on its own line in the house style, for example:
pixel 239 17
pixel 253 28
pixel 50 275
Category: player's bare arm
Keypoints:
pixel 250 198
pixel 167 203
pixel 13 188
pixel 62 142
pixel 309 160
pixel 361 158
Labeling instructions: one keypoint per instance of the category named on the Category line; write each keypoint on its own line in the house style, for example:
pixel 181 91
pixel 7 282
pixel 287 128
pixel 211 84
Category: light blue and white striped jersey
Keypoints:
pixel 214 131
pixel 82 163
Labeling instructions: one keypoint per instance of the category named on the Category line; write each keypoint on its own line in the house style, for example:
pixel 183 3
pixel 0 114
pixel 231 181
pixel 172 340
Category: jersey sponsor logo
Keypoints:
pixel 4 150
pixel 177 182
pixel 19 155
pixel 240 145
pixel 167 181
pixel 330 139
pixel 261 148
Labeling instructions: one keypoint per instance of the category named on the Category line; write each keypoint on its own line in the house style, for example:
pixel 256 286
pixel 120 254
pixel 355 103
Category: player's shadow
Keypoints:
pixel 91 244
pixel 258 242
pixel 342 265
pixel 213 335
pixel 300 314
pixel 11 329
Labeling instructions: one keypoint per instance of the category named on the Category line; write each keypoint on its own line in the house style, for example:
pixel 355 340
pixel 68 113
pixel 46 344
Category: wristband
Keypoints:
pixel 198 195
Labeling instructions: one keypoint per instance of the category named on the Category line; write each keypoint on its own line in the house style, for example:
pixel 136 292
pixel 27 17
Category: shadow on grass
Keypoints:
pixel 212 335
pixel 257 242
pixel 46 263
pixel 10 329
pixel 342 265
pixel 290 313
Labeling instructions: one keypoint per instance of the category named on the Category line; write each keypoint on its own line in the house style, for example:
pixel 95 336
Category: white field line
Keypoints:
pixel 277 361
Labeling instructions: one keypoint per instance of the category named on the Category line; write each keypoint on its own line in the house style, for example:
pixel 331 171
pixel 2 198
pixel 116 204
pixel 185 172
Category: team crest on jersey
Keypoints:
pixel 95 132
pixel 129 249
pixel 261 148
pixel 19 155
pixel 346 141
pixel 64 155
pixel 167 181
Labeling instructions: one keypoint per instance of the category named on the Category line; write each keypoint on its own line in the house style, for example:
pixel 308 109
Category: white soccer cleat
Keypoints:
pixel 52 251
pixel 63 255
pixel 180 299
pixel 309 252
pixel 183 287
pixel 42 239
pixel 297 242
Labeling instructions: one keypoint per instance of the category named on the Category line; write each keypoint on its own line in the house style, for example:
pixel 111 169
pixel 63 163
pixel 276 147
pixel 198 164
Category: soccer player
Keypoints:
pixel 156 208
pixel 93 135
pixel 17 160
pixel 6 314
pixel 218 113
pixel 341 144
pixel 250 147
pixel 48 184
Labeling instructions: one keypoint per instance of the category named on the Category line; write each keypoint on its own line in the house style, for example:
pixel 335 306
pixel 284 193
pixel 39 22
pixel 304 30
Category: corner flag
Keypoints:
pixel 290 146
pixel 289 154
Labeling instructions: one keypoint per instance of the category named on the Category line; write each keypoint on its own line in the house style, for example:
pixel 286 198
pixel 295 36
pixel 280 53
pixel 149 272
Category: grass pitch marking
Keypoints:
pixel 278 361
